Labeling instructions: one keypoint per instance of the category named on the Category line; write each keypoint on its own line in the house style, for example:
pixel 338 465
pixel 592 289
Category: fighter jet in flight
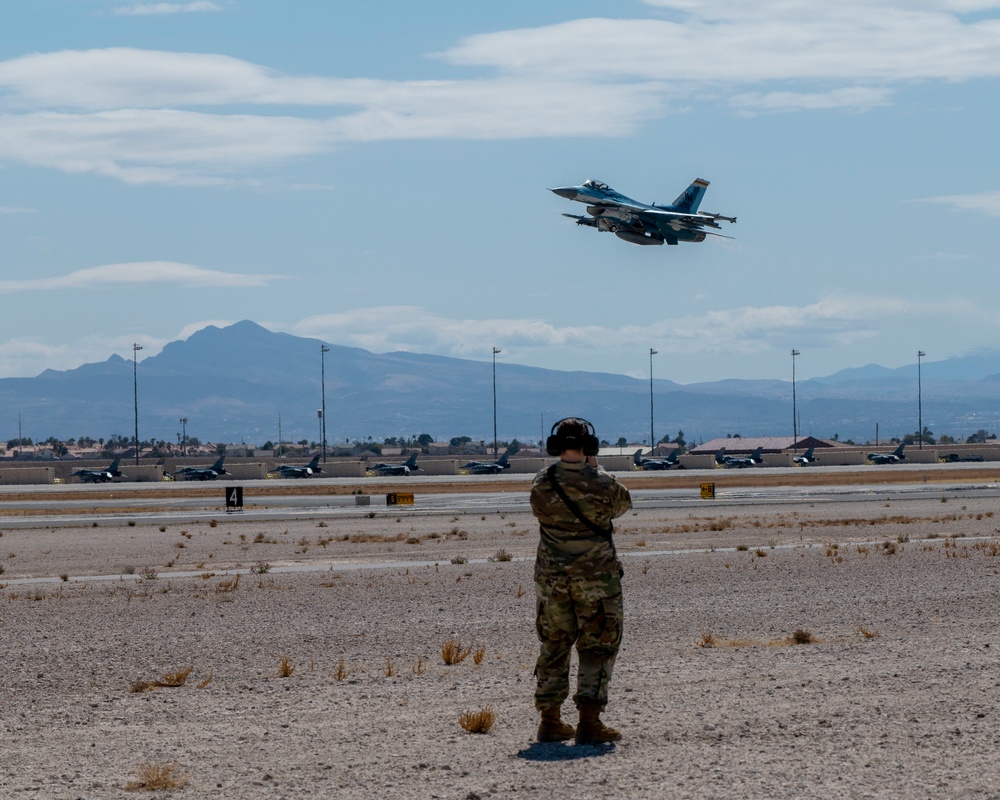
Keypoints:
pixel 99 475
pixel 639 223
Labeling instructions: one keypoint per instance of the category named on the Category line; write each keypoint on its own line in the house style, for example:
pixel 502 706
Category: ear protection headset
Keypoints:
pixel 588 442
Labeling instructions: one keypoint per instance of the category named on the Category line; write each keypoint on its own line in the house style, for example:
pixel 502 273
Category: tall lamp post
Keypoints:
pixel 184 434
pixel 920 410
pixel 652 441
pixel 323 350
pixel 135 395
pixel 795 418
pixel 495 351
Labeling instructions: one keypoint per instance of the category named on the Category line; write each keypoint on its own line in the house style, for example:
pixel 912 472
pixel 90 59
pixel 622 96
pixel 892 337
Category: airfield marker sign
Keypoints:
pixel 234 498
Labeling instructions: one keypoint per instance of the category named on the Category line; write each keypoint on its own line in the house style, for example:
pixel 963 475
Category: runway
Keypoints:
pixel 188 502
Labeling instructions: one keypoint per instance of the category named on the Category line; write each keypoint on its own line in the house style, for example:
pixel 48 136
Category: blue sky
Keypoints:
pixel 374 174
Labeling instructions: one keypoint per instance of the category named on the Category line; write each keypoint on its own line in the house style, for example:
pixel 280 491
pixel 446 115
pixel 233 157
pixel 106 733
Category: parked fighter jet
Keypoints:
pixel 99 475
pixel 300 471
pixel 395 469
pixel 739 462
pixel 488 467
pixel 806 458
pixel 888 458
pixel 639 223
pixel 201 473
pixel 670 462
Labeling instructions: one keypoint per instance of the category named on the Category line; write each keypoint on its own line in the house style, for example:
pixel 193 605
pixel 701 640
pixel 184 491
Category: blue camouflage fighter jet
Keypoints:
pixel 639 223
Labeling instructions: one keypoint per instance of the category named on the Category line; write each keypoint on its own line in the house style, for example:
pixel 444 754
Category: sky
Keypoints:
pixel 375 175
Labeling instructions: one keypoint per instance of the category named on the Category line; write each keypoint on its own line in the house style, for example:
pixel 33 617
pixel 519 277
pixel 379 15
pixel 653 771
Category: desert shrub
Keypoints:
pixel 153 777
pixel 453 653
pixel 800 636
pixel 477 721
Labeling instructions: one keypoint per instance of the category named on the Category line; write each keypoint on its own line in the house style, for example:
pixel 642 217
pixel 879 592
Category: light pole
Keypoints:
pixel 795 419
pixel 495 351
pixel 323 350
pixel 652 441
pixel 135 395
pixel 184 434
pixel 920 410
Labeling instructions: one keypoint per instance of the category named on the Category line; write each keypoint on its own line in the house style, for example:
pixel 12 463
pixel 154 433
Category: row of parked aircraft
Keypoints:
pixel 754 459
pixel 473 467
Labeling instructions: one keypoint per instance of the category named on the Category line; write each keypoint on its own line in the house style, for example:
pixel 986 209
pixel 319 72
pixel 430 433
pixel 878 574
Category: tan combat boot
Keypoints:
pixel 552 728
pixel 591 730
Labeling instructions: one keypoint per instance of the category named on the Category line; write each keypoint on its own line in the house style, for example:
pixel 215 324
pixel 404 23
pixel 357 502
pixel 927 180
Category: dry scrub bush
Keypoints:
pixel 390 668
pixel 286 668
pixel 153 777
pixel 169 680
pixel 228 585
pixel 452 652
pixel 342 670
pixel 500 555
pixel 420 667
pixel 477 721
pixel 178 678
pixel 868 634
pixel 479 655
pixel 707 640
pixel 800 636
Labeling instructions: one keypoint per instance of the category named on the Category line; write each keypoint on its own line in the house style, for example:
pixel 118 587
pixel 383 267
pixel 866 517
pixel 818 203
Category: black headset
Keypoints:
pixel 556 444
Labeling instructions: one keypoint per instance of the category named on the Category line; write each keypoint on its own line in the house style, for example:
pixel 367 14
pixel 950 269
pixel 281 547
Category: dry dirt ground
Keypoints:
pixel 893 692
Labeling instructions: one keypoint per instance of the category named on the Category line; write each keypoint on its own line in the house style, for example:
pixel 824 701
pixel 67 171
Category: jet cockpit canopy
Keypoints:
pixel 595 184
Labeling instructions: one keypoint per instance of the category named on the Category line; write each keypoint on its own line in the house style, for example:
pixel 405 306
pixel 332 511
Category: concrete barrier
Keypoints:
pixel 27 475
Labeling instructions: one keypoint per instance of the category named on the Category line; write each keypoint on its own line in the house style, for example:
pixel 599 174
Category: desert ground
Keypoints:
pixel 805 649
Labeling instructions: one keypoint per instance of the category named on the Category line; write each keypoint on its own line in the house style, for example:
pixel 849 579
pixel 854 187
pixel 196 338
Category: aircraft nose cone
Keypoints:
pixel 569 192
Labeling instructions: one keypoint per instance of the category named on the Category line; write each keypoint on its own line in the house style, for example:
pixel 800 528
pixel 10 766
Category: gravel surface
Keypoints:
pixel 895 696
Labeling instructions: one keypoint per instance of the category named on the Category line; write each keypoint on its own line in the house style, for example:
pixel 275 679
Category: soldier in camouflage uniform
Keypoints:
pixel 577 582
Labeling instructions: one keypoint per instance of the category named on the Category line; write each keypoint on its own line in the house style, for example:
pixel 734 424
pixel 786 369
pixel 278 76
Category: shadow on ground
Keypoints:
pixel 559 751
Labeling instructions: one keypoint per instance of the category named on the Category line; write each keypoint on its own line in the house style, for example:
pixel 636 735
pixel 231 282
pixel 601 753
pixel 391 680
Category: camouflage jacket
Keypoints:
pixel 565 541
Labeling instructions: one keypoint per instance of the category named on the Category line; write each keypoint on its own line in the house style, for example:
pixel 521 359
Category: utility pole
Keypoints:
pixel 795 419
pixel 135 396
pixel 920 410
pixel 495 351
pixel 652 440
pixel 323 350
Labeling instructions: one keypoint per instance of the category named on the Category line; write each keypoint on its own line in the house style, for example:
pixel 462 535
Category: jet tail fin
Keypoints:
pixel 411 462
pixel 690 198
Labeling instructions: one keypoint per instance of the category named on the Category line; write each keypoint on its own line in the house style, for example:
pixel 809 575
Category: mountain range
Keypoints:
pixel 233 384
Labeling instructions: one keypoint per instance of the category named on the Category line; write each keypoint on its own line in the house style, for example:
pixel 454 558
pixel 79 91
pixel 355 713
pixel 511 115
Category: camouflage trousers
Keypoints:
pixel 587 612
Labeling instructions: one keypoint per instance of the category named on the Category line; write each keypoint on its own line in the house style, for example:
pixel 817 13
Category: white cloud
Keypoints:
pixel 734 42
pixel 193 118
pixel 145 272
pixel 831 321
pixel 143 9
pixel 855 98
pixel 982 203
